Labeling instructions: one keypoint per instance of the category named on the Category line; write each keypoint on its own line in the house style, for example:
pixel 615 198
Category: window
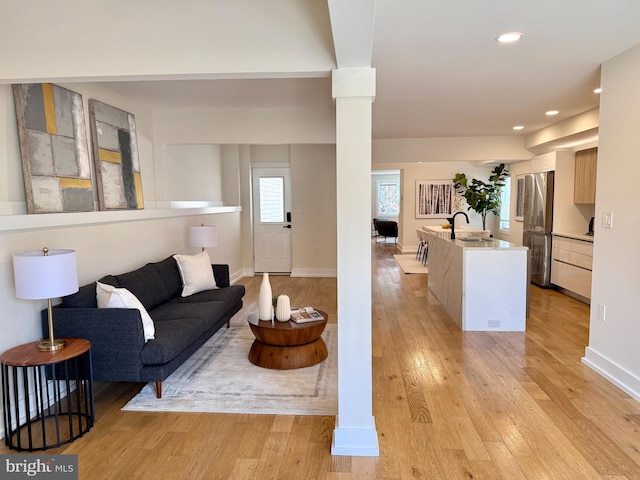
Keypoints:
pixel 272 199
pixel 505 204
pixel 388 198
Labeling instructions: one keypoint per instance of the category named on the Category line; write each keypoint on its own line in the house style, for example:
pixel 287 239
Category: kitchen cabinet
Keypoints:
pixel 584 189
pixel 571 264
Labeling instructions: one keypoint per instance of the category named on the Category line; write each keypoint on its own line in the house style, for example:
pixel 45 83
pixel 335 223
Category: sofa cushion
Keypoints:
pixel 172 337
pixel 208 312
pixel 196 273
pixel 112 297
pixel 229 295
pixel 170 275
pixel 85 297
pixel 145 283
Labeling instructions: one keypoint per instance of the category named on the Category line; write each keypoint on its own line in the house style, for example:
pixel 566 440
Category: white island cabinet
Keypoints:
pixel 482 283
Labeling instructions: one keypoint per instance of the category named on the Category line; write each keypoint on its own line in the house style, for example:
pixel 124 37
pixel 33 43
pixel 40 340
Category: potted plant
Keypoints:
pixel 482 197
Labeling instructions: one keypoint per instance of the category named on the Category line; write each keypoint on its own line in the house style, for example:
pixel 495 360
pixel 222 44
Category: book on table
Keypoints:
pixel 306 314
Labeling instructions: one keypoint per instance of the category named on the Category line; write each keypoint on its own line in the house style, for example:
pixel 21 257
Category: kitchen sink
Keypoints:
pixel 475 239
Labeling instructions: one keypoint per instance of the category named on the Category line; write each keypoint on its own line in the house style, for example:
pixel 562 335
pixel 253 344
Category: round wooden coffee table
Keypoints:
pixel 287 345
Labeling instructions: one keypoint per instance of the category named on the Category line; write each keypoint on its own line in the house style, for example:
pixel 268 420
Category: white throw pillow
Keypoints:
pixel 196 272
pixel 112 297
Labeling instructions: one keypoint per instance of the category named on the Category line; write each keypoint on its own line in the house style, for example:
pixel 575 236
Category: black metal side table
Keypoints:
pixel 40 409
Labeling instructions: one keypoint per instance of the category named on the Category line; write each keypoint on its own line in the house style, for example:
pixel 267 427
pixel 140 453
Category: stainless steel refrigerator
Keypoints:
pixel 538 222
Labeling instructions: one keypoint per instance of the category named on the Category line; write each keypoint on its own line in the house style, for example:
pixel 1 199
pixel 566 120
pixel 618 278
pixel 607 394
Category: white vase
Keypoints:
pixel 265 302
pixel 283 309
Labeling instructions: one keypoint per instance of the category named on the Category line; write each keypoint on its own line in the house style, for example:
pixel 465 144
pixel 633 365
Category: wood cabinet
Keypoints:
pixel 584 189
pixel 571 265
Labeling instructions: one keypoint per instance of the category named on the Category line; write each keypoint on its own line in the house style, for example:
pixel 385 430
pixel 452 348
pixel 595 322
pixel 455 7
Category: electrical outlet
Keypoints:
pixel 602 312
pixel 493 323
pixel 607 219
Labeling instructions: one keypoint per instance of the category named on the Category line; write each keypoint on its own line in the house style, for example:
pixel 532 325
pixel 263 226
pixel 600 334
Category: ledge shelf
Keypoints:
pixel 38 221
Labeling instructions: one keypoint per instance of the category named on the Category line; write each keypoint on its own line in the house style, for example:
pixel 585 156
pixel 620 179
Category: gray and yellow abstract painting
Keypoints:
pixel 115 152
pixel 53 146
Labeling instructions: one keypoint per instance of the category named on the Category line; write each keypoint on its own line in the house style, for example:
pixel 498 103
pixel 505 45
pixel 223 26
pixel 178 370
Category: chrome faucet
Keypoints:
pixel 453 223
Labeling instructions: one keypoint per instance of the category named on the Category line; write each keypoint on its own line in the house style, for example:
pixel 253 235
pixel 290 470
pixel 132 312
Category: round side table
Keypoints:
pixel 287 345
pixel 41 408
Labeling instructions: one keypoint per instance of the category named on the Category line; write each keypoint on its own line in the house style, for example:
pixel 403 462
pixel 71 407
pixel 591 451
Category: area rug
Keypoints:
pixel 219 378
pixel 409 264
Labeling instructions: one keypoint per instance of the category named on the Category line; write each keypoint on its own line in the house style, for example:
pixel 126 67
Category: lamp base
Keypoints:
pixel 49 346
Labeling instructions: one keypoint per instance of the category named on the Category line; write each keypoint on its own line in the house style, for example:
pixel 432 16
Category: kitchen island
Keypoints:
pixel 481 282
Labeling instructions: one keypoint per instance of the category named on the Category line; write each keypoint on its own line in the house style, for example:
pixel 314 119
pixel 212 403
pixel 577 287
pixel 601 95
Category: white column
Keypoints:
pixel 355 432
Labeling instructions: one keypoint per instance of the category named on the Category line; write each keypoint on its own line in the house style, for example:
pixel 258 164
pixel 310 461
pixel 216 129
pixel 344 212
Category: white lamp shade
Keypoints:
pixel 203 236
pixel 40 276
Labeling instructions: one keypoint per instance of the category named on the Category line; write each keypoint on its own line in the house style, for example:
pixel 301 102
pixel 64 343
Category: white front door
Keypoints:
pixel 272 220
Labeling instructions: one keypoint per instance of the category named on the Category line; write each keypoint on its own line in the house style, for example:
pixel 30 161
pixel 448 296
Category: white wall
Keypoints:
pixel 314 235
pixel 274 126
pixel 567 216
pixel 192 172
pixel 313 197
pixel 613 343
pixel 162 37
pixel 458 149
pixel 230 175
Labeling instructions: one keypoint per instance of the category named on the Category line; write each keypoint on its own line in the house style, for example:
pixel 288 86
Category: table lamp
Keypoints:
pixel 46 274
pixel 203 236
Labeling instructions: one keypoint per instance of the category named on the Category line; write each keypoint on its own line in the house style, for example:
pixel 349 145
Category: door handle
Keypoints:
pixel 286 226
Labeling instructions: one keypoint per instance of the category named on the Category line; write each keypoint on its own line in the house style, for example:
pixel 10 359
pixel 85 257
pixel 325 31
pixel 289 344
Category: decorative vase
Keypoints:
pixel 283 309
pixel 265 302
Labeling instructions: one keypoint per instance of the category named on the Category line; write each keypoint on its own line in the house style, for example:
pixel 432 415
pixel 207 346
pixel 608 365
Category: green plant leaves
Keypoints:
pixel 482 197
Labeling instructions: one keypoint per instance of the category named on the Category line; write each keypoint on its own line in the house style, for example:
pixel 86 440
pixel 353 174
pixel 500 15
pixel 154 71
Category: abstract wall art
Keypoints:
pixel 115 152
pixel 53 146
pixel 434 199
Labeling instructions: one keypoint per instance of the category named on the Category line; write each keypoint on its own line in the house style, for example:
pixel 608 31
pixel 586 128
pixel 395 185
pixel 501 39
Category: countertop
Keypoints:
pixel 486 243
pixel 575 236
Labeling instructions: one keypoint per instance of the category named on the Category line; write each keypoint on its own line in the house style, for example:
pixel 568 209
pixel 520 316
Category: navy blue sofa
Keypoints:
pixel 182 324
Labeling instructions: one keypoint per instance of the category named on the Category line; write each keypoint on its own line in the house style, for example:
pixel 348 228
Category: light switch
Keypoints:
pixel 607 219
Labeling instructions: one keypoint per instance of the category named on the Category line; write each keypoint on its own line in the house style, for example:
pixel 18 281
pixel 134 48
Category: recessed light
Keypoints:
pixel 597 90
pixel 518 127
pixel 552 112
pixel 509 37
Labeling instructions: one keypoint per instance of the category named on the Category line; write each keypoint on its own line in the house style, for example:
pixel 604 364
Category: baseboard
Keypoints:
pixel 235 276
pixel 248 272
pixel 573 295
pixel 621 378
pixel 409 249
pixel 314 272
pixel 295 272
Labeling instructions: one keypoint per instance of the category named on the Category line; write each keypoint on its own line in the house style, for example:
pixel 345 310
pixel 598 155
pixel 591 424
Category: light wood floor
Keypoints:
pixel 447 404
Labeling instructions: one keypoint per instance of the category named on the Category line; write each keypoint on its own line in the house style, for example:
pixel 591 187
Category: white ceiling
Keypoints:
pixel 439 71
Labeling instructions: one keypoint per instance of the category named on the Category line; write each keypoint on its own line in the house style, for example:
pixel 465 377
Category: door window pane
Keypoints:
pixel 388 198
pixel 272 199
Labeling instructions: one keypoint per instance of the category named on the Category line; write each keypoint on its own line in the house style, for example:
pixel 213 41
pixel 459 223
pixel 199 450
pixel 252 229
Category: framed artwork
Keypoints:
pixel 56 165
pixel 519 198
pixel 434 198
pixel 115 153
